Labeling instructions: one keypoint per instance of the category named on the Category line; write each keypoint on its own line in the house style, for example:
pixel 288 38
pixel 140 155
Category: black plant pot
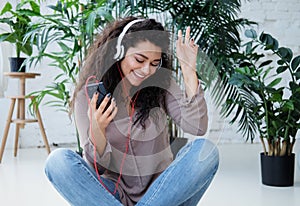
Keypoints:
pixel 277 171
pixel 16 63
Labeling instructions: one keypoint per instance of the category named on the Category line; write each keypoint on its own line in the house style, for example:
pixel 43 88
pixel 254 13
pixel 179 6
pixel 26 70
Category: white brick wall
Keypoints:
pixel 281 19
pixel 277 17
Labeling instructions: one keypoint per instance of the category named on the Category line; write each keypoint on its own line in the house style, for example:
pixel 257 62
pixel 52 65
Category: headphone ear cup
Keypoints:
pixel 120 48
pixel 122 53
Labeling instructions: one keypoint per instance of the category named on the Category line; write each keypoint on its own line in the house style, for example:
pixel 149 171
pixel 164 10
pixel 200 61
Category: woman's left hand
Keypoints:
pixel 186 50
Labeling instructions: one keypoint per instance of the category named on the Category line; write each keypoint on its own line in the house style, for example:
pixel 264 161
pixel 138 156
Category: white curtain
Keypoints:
pixel 1 73
pixel 5 52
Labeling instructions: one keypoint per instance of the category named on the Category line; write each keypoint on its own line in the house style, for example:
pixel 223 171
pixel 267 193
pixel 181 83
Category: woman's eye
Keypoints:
pixel 139 60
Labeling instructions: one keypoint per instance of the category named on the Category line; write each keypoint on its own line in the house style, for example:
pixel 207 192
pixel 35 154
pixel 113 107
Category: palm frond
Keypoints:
pixel 244 106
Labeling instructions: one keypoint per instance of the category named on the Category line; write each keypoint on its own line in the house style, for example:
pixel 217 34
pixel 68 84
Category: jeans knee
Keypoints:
pixel 57 161
pixel 208 153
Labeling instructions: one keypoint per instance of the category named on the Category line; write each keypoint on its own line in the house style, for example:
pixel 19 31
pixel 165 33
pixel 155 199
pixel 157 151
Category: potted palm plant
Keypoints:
pixel 268 105
pixel 18 21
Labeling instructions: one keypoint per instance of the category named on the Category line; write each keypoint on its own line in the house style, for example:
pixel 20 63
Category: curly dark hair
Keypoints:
pixel 100 62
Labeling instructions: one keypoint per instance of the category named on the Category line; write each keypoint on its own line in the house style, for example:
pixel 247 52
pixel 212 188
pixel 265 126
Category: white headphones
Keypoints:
pixel 120 48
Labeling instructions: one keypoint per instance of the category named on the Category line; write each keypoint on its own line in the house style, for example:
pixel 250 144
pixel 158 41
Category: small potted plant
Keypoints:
pixel 268 103
pixel 18 21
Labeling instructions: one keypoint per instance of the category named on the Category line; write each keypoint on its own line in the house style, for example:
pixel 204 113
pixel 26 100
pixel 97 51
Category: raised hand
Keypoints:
pixel 186 50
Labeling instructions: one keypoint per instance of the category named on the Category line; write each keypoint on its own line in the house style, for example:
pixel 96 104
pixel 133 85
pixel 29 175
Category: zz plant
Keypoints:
pixel 267 78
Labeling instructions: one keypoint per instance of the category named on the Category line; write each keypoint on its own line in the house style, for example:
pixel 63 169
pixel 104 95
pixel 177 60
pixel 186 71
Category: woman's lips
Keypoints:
pixel 138 75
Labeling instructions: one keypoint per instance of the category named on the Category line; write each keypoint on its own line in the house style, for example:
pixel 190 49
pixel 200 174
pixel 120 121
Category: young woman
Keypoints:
pixel 127 158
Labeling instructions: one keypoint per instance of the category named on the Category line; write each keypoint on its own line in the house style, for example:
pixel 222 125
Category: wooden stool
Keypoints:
pixel 20 119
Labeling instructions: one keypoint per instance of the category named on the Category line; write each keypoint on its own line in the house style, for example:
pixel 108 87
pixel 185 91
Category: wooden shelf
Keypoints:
pixel 25 75
pixel 23 121
pixel 19 97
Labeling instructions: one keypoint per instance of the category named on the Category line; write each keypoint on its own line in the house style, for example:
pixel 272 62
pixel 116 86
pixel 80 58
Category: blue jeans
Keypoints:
pixel 183 183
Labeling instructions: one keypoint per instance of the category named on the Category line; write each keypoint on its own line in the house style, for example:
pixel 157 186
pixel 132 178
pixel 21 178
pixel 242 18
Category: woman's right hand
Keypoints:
pixel 100 119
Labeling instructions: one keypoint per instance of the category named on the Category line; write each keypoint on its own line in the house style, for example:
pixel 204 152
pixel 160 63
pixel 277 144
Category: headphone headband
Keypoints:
pixel 120 48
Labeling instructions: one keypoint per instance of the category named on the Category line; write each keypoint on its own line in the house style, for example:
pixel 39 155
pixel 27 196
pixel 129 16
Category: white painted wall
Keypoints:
pixel 58 127
pixel 277 17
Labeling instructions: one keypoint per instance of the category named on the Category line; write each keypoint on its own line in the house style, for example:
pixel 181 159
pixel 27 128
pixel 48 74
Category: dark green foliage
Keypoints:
pixel 266 104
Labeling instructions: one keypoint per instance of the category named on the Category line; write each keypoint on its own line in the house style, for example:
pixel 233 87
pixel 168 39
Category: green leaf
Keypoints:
pixel 263 37
pixel 265 63
pixel 63 46
pixel 26 13
pixel 295 62
pixel 248 47
pixel 277 96
pixel 294 86
pixel 4 37
pixel 268 40
pixel 274 123
pixel 266 72
pixel 280 62
pixel 285 53
pixel 57 8
pixel 260 71
pixel 241 70
pixel 6 8
pixel 237 80
pixel 250 33
pixel 275 44
pixel 297 75
pixel 275 82
pixel 27 48
pixel 35 7
pixel 281 69
pixel 90 24
pixel 289 105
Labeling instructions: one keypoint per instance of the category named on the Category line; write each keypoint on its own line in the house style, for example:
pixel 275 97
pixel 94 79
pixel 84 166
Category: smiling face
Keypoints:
pixel 140 62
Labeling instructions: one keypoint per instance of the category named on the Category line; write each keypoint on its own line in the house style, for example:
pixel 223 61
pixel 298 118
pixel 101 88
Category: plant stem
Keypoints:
pixel 18 50
pixel 264 145
pixel 271 148
pixel 284 148
pixel 291 146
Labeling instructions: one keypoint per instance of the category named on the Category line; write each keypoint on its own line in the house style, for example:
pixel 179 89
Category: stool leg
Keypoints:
pixel 38 115
pixel 17 139
pixel 17 130
pixel 8 121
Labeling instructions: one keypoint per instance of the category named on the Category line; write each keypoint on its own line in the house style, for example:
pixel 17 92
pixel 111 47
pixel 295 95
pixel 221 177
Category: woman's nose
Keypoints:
pixel 146 69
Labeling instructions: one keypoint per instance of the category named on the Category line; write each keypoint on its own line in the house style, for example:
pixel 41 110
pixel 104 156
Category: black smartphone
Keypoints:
pixel 97 87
